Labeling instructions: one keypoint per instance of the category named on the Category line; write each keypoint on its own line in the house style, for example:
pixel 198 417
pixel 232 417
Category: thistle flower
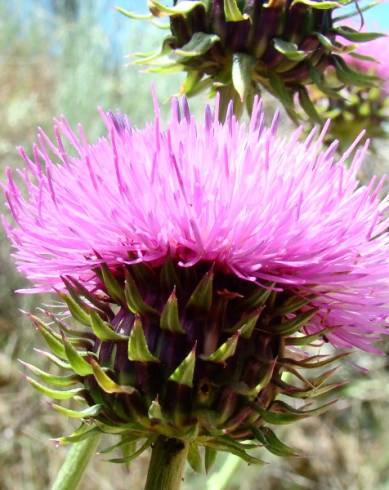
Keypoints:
pixel 201 262
pixel 358 108
pixel 238 48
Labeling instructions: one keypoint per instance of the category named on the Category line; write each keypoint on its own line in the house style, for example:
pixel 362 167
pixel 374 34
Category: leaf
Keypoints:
pixel 56 360
pixel 112 285
pixel 198 45
pixel 82 433
pixel 78 363
pixel 132 15
pixel 169 319
pixel 209 458
pixel 128 439
pixel 225 351
pixel 308 106
pixel 106 383
pixel 135 454
pixel 233 448
pixel 55 394
pixel 268 438
pixel 242 67
pixel 258 297
pixel 54 344
pixel 203 294
pixel 103 330
pixel 295 324
pixel 134 299
pixel 182 8
pixel 80 314
pixel 357 36
pixel 232 12
pixel 195 459
pixel 319 4
pixel 184 373
pixel 138 349
pixel 75 414
pixel 51 378
pixel 289 50
pixel 287 414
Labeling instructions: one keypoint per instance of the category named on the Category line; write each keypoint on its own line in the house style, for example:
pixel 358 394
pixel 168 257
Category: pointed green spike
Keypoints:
pixel 55 394
pixel 155 410
pixel 106 383
pixel 149 442
pixel 209 458
pixel 78 363
pixel 134 299
pixel 307 339
pixel 169 278
pixel 199 44
pixel 247 328
pixel 53 343
pixel 102 329
pixel 195 458
pixel 169 317
pixel 127 439
pixel 258 297
pixel 295 324
pixel 201 297
pixel 80 434
pixel 292 304
pixel 80 314
pixel 182 8
pixel 114 288
pixel 268 438
pixel 54 359
pixel 242 67
pixel 267 377
pixel 78 288
pixel 138 349
pixel 232 12
pixel 75 414
pixel 282 413
pixel 184 373
pixel 132 15
pixel 51 378
pixel 226 350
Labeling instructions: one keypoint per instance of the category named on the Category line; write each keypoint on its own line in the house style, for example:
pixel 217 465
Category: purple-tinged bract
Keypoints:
pixel 260 206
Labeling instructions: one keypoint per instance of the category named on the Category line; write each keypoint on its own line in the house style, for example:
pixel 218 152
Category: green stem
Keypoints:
pixel 75 464
pixel 167 464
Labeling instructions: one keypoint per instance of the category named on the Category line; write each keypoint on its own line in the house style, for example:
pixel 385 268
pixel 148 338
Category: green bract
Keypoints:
pixel 193 354
pixel 240 47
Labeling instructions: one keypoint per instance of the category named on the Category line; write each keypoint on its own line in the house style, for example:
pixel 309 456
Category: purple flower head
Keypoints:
pixel 258 205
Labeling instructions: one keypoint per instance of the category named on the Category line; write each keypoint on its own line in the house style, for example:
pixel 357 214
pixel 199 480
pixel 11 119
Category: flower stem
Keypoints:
pixel 167 464
pixel 75 464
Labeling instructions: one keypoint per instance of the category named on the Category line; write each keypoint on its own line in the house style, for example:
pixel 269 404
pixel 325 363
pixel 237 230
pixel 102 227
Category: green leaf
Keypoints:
pixel 53 343
pixel 195 459
pixel 209 458
pixel 286 414
pixel 80 434
pixel 292 304
pixel 184 373
pixel 106 383
pixel 138 349
pixel 357 36
pixel 182 8
pixel 319 4
pixel 155 411
pixel 135 454
pixel 246 330
pixel 51 378
pixel 234 448
pixel 56 360
pixel 132 15
pixel 225 351
pixel 134 299
pixel 242 67
pixel 258 297
pixel 80 314
pixel 198 45
pixel 295 324
pixel 75 414
pixel 307 339
pixel 128 439
pixel 78 363
pixel 267 437
pixel 112 285
pixel 169 319
pixel 289 50
pixel 232 12
pixel 202 296
pixel 55 394
pixel 103 330
pixel 351 77
pixel 308 106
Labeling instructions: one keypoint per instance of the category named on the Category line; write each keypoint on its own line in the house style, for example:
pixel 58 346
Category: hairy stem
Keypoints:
pixel 167 464
pixel 75 464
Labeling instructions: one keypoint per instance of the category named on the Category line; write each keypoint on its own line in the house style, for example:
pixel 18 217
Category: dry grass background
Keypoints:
pixel 53 63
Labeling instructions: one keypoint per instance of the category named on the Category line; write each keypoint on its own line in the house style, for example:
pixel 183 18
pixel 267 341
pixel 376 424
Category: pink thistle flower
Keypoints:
pixel 262 206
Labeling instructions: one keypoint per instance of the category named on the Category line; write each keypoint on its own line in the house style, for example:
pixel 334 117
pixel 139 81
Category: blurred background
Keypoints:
pixel 67 56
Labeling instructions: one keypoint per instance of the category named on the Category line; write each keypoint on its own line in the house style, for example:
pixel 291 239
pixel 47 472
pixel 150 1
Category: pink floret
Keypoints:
pixel 262 206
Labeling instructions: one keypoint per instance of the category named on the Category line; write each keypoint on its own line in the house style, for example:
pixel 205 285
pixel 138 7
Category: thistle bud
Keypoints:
pixel 238 48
